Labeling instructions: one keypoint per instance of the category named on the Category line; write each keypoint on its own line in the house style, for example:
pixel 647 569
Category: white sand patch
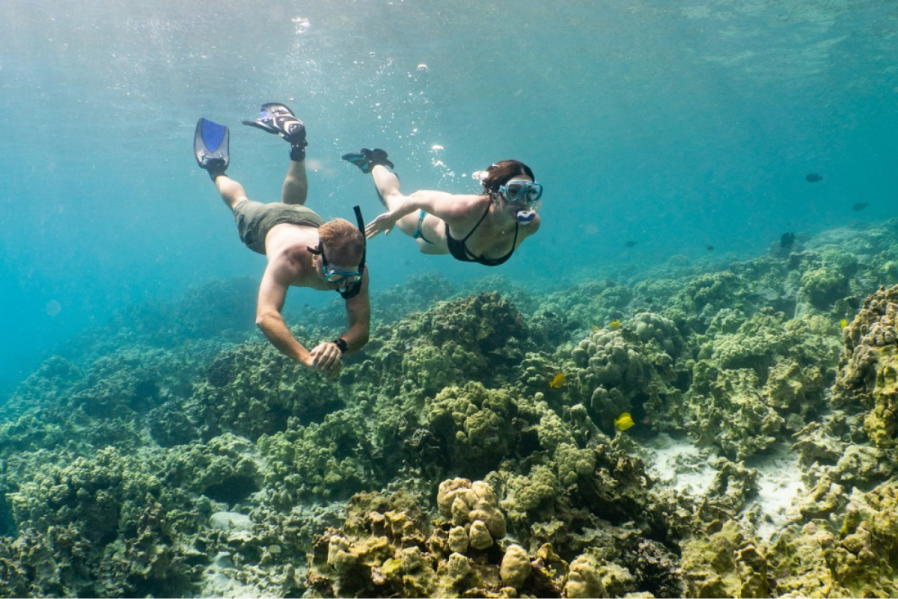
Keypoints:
pixel 221 579
pixel 678 464
pixel 779 486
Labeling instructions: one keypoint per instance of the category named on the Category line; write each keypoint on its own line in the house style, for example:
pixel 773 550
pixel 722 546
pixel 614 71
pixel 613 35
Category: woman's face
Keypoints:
pixel 520 195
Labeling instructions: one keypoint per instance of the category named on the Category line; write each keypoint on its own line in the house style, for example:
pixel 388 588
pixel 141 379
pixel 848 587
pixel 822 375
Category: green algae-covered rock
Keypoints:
pixel 328 460
pixel 253 390
pixel 225 469
pixel 769 377
pixel 851 560
pixel 728 563
pixel 868 370
pixel 530 497
pixel 824 286
pixel 634 368
pixel 102 526
pixel 477 337
pixel 475 426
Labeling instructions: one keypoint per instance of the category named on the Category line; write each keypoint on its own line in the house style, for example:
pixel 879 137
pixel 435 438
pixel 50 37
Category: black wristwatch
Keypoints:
pixel 341 344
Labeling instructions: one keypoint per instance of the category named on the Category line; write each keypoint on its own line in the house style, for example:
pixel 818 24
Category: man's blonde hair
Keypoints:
pixel 342 241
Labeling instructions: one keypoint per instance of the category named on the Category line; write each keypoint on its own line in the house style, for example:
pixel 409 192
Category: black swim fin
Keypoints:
pixel 279 119
pixel 367 159
pixel 211 147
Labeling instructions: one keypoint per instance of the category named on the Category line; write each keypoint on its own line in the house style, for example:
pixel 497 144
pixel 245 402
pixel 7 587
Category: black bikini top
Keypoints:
pixel 460 251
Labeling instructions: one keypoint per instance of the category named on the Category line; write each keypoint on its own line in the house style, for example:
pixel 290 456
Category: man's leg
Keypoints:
pixel 231 191
pixel 280 120
pixel 296 186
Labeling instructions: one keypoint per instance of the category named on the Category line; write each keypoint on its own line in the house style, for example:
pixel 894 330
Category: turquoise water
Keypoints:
pixel 675 126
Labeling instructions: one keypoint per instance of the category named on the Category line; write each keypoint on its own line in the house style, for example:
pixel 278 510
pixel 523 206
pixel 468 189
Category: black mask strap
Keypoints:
pixel 356 287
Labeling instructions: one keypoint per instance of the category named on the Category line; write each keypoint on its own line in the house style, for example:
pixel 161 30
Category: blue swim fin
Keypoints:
pixel 211 147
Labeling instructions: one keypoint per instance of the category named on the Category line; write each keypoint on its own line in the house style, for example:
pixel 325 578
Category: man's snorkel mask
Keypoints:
pixel 333 276
pixel 519 192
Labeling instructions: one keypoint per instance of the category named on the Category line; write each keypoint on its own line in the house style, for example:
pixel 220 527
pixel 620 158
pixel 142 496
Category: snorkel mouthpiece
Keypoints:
pixel 525 217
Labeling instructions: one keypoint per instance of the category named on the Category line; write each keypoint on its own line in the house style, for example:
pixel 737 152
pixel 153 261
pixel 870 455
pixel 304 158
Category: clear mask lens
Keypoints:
pixel 339 277
pixel 522 191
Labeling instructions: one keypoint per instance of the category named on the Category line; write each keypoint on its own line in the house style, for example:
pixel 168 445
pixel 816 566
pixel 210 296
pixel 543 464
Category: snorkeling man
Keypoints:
pixel 302 250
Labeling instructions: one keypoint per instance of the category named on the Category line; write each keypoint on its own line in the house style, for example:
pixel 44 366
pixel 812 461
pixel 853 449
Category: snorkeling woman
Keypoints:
pixel 486 228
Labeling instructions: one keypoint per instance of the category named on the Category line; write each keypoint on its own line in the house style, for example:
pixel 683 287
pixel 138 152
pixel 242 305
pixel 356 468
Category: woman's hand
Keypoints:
pixel 384 223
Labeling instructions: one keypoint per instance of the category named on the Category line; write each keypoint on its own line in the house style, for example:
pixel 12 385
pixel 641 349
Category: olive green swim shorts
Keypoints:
pixel 255 220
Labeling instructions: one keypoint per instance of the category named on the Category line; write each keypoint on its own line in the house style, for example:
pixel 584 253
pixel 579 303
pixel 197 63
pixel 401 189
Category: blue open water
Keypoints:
pixel 673 125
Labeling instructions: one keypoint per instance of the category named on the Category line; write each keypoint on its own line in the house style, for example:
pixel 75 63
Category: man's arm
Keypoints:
pixel 327 355
pixel 358 313
pixel 272 294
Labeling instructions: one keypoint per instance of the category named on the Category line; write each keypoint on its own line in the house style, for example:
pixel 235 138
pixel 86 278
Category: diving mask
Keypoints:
pixel 340 277
pixel 521 190
pixel 333 275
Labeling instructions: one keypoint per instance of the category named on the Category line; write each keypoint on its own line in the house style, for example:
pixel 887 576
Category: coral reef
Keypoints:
pixel 253 390
pixel 471 449
pixel 851 560
pixel 868 371
pixel 101 526
pixel 635 368
pixel 387 547
pixel 764 380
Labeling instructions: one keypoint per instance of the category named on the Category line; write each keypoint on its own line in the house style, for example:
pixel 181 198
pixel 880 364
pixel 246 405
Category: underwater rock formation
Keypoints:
pixel 100 526
pixel 767 378
pixel 398 552
pixel 253 390
pixel 634 368
pixel 868 371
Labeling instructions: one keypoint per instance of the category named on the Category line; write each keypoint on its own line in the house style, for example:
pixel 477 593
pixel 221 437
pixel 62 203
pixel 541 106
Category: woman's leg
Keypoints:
pixel 296 186
pixel 387 184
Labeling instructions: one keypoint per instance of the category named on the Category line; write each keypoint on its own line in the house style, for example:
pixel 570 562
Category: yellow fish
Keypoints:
pixel 558 381
pixel 623 422
pixel 843 323
pixel 614 325
pixel 596 327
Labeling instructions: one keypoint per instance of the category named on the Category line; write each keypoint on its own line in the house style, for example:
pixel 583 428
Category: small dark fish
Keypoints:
pixel 629 244
pixel 860 206
pixel 787 240
pixel 709 247
pixel 813 177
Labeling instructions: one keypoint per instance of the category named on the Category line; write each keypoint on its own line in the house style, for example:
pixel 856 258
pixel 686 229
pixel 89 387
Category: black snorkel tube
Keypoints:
pixel 356 287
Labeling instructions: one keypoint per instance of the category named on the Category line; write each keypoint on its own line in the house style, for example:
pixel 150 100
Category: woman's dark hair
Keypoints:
pixel 502 172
